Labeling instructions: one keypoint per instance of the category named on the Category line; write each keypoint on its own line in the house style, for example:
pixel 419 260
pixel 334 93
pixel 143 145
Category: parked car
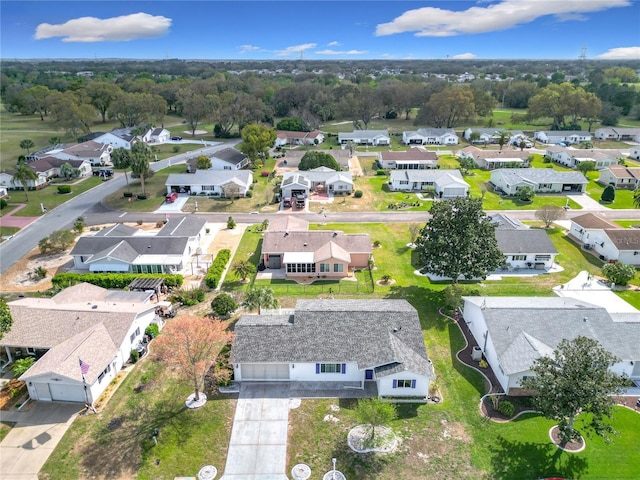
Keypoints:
pixel 103 172
pixel 176 138
pixel 165 310
pixel 171 197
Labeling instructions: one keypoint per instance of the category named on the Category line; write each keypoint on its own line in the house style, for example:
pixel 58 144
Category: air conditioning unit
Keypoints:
pixel 587 246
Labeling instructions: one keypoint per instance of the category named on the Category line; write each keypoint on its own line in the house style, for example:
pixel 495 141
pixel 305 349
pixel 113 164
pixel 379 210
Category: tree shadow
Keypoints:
pixel 456 342
pixel 515 459
pixel 425 300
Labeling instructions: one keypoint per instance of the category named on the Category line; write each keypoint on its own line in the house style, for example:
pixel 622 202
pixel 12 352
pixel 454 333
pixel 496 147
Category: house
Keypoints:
pixel 4 192
pixel 83 322
pixel 291 158
pixel 285 137
pixel 118 138
pixel 412 159
pixel 609 240
pixel 491 135
pixel 634 153
pixel 513 332
pixel 51 166
pixel 158 135
pixel 523 247
pixel 542 180
pixel 619 134
pixel 121 248
pixel 430 136
pixel 225 159
pixel 7 180
pixel 98 154
pixel 347 343
pixel 572 157
pixel 321 179
pixel 445 183
pixel 492 159
pixel 620 176
pixel 569 137
pixel 218 183
pixel 365 137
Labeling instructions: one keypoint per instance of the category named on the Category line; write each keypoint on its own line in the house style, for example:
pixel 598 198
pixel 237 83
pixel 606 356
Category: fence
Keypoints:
pixel 342 288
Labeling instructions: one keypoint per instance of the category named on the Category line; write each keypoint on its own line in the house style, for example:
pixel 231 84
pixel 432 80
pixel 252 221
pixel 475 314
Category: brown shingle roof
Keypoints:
pixel 590 220
pixel 288 223
pixel 411 154
pixel 625 238
pixel 279 242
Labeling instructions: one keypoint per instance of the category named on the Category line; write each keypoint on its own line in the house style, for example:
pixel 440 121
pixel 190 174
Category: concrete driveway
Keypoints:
pixel 28 445
pixel 258 445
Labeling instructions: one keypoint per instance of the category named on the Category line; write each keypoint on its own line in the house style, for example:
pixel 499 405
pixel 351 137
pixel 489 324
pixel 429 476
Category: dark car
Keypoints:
pixel 176 138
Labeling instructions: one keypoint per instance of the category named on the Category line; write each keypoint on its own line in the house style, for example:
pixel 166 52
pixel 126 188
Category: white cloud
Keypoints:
pixel 341 52
pixel 464 56
pixel 248 48
pixel 438 22
pixel 115 29
pixel 333 44
pixel 621 53
pixel 295 49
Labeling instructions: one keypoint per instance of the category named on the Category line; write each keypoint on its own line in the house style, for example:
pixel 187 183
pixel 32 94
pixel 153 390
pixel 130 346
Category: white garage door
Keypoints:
pixel 261 371
pixel 454 192
pixel 42 390
pixel 66 393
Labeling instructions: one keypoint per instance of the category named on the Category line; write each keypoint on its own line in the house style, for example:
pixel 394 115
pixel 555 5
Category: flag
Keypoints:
pixel 84 367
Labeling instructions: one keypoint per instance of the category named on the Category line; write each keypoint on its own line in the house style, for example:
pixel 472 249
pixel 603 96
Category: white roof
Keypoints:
pixel 298 257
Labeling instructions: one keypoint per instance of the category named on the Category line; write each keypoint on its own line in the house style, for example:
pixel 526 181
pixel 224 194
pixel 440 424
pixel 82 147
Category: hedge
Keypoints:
pixel 214 274
pixel 111 280
pixel 62 189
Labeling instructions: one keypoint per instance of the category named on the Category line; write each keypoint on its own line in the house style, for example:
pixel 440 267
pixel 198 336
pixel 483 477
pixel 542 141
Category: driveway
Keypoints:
pixel 258 445
pixel 587 203
pixel 174 207
pixel 28 445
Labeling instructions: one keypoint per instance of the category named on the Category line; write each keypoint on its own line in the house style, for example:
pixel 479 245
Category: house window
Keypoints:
pixel 518 257
pixel 325 267
pixel 207 187
pixel 545 185
pixel 227 168
pixel 338 268
pixel 404 383
pixel 331 367
pixel 543 258
pixel 404 182
pixel 301 267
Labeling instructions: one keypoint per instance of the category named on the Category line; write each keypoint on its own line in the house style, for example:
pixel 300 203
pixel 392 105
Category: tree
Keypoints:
pixel 618 273
pixel 132 109
pixel 101 94
pixel 27 144
pixel 204 162
pixel 459 240
pixel 549 214
pixel 57 241
pixel 223 305
pixel 314 159
pixel 636 197
pixel 608 194
pixel 243 268
pixel 414 231
pixel 140 157
pixel 121 158
pixel 21 365
pixel 559 101
pixel 79 225
pixel 375 413
pixel 526 194
pixel 256 141
pixel 503 138
pixel 191 344
pixel 70 114
pixel 575 379
pixel 260 297
pixel 23 175
pixel 474 136
pixel 5 317
pixel 55 140
pixel 38 97
pixel 292 124
pixel 194 107
pixel 68 171
pixel 231 223
pixel 231 190
pixel 466 164
pixel 586 166
pixel 447 108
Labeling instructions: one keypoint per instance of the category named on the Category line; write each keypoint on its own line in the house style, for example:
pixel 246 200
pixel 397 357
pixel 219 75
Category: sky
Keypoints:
pixel 318 29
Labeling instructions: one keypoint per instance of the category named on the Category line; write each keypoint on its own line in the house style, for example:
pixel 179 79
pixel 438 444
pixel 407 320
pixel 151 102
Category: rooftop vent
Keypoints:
pixel 396 329
pixel 584 319
pixel 305 244
pixel 94 307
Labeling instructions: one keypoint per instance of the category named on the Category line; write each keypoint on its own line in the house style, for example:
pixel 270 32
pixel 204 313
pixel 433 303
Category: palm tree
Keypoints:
pixel 27 144
pixel 140 158
pixel 243 268
pixel 258 298
pixel 503 137
pixel 636 197
pixel 24 174
pixel 121 158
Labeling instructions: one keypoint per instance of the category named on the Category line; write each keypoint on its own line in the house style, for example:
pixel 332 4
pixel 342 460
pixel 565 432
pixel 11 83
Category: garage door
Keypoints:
pixel 66 393
pixel 454 192
pixel 42 390
pixel 275 261
pixel 261 371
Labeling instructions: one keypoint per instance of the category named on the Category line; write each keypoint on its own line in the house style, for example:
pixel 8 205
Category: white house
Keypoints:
pixel 569 137
pixel 322 179
pixel 446 183
pixel 83 322
pixel 98 154
pixel 572 157
pixel 492 159
pixel 158 135
pixel 215 183
pixel 229 159
pixel 347 343
pixel 430 136
pixel 618 133
pixel 117 138
pixel 365 137
pixel 7 180
pixel 513 332
pixel 412 159
pixel 285 137
pixel 542 180
pixel 634 153
pixel 609 240
pixel 491 135
pixel 4 192
pixel 620 176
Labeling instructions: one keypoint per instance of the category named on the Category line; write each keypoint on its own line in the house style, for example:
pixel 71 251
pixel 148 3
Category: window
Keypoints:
pixel 404 182
pixel 301 267
pixel 338 268
pixel 207 187
pixel 330 367
pixel 325 267
pixel 519 257
pixel 404 383
pixel 543 258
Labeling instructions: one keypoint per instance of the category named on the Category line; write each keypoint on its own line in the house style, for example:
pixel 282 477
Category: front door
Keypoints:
pixel 368 374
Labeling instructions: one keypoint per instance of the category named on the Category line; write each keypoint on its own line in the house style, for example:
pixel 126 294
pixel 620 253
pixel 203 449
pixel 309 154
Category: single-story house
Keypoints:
pixel 229 159
pixel 285 137
pixel 620 176
pixel 446 183
pixel 315 253
pixel 634 152
pixel 7 180
pixel 291 158
pixel 318 179
pixel 211 182
pixel 98 154
pixel 571 157
pixel 523 247
pixel 365 137
pixel 430 136
pixel 158 135
pixel 609 240
pixel 569 137
pixel 288 223
pixel 121 248
pixel 51 166
pixel 84 323
pixel 620 134
pixel 491 135
pixel 492 159
pixel 542 180
pixel 513 332
pixel 118 138
pixel 4 192
pixel 412 159
pixel 349 343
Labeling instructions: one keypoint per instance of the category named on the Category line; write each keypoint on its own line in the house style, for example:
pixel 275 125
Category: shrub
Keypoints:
pixel 21 365
pixel 39 273
pixel 189 297
pixel 357 194
pixel 58 241
pixel 128 194
pixel 116 281
pixel 3 203
pixel 141 197
pixel 152 330
pixel 214 274
pixel 175 148
pixel 377 243
pixel 249 194
pixel 618 273
pixel 483 364
pixel 134 356
pixel 380 173
pixel 223 305
pixel 608 194
pixel 506 408
pixel 62 189
pixel 231 223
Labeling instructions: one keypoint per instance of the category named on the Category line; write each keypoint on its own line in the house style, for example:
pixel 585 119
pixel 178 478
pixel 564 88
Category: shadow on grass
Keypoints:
pixel 514 459
pixel 457 342
pixel 589 257
pixel 425 300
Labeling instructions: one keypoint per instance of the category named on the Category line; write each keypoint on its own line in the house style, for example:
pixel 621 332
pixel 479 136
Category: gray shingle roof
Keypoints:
pixel 363 134
pixel 310 241
pixel 147 245
pixel 371 333
pixel 230 155
pixel 210 177
pixel 316 176
pixel 625 238
pixel 539 175
pixel 530 240
pixel 117 230
pixel 505 221
pixel 411 154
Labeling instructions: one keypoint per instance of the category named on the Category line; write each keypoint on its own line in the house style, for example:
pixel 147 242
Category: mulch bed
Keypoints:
pixel 521 404
pixel 572 446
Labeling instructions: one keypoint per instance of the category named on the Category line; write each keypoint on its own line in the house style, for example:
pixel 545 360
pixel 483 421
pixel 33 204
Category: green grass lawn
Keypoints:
pixel 8 231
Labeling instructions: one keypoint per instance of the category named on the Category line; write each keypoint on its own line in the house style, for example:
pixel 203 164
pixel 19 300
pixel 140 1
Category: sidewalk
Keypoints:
pixel 587 203
pixel 8 220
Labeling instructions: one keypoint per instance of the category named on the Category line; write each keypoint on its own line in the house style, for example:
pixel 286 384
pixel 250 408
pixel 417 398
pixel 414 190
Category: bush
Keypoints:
pixel 134 356
pixel 152 330
pixel 175 148
pixel 357 194
pixel 608 194
pixel 116 281
pixel 128 194
pixel 62 189
pixel 141 197
pixel 249 194
pixel 506 408
pixel 214 274
pixel 381 173
pixel 231 223
pixel 618 273
pixel 21 365
pixel 264 173
pixel 3 203
pixel 223 305
pixel 189 298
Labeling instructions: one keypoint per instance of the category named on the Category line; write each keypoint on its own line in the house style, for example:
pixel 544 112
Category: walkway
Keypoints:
pixel 587 203
pixel 258 445
pixel 9 220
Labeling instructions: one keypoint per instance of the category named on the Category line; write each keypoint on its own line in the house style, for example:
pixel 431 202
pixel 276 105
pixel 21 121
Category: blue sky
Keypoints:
pixel 485 29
